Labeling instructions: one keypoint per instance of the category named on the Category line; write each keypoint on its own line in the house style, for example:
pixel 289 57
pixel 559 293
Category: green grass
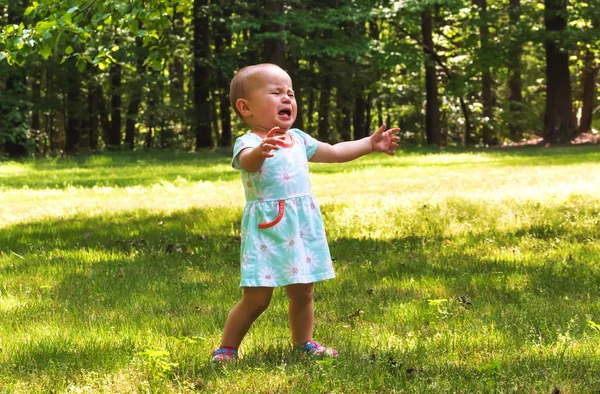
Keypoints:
pixel 456 272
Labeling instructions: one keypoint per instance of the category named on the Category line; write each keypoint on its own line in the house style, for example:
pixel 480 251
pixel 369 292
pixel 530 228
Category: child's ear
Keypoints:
pixel 242 107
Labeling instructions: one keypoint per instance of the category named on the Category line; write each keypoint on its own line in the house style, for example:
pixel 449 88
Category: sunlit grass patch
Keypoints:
pixel 456 272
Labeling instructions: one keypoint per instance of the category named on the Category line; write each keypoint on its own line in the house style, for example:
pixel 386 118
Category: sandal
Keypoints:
pixel 314 348
pixel 223 355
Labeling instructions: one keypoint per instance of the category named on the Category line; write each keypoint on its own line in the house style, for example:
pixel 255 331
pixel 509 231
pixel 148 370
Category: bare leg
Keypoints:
pixel 301 313
pixel 254 302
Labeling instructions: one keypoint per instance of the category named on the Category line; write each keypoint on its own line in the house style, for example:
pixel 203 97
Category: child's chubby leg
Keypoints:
pixel 301 314
pixel 255 301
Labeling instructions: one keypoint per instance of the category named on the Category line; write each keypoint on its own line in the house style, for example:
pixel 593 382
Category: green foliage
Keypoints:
pixel 368 49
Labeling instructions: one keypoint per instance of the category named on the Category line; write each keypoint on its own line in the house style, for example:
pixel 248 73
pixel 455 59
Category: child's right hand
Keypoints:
pixel 271 142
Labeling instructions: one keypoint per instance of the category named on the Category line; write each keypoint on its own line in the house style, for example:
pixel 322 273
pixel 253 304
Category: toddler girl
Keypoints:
pixel 283 238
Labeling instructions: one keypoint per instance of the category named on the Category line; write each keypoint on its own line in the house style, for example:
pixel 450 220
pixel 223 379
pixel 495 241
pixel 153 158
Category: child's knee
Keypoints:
pixel 257 305
pixel 300 293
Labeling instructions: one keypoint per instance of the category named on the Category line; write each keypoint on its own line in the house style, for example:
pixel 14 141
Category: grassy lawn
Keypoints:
pixel 456 272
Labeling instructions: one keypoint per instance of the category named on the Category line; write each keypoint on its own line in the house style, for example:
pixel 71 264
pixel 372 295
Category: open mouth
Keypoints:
pixel 285 112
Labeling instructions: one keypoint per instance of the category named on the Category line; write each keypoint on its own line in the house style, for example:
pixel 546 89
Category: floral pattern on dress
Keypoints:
pixel 294 249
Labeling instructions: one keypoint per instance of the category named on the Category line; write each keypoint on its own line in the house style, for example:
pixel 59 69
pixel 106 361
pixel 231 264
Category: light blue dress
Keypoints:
pixel 283 237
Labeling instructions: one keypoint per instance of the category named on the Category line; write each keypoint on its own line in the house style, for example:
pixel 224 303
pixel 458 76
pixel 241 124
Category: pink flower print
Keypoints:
pixel 260 199
pixel 312 205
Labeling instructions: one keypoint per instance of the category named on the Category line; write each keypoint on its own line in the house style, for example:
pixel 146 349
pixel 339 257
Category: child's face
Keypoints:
pixel 271 100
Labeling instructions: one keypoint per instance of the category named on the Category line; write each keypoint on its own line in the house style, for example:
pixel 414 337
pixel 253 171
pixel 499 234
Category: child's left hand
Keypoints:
pixel 383 141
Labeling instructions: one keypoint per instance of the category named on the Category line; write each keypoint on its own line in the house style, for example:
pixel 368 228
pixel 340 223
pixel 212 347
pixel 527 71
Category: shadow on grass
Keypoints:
pixel 181 277
pixel 58 357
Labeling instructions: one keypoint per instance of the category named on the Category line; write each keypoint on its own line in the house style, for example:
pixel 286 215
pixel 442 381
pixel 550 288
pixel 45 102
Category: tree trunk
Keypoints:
pixel 102 113
pixel 324 106
pixel 486 76
pixel 589 93
pixel 136 94
pixel 93 114
pixel 294 71
pixel 222 45
pixel 345 105
pixel 432 108
pixel 252 54
pixel 514 83
pixel 559 125
pixel 359 117
pixel 274 48
pixel 114 136
pixel 204 138
pixel 36 97
pixel 13 108
pixel 176 69
pixel 74 111
pixel 368 108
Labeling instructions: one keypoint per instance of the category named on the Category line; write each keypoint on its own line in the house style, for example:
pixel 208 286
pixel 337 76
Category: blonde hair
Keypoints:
pixel 243 81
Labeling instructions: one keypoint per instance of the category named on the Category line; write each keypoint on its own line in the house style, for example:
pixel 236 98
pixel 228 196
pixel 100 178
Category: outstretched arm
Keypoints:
pixel 380 141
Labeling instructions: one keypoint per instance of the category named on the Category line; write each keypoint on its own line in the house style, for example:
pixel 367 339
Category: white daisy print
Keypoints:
pixel 243 234
pixel 264 246
pixel 264 195
pixel 294 269
pixel 309 233
pixel 310 260
pixel 245 261
pixel 286 178
pixel 267 276
pixel 250 209
pixel 291 243
pixel 261 174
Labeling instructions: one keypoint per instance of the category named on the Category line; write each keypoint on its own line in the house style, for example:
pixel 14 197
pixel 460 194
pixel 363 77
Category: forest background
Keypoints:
pixel 90 75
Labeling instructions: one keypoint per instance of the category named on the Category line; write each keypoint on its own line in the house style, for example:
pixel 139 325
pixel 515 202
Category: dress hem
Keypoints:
pixel 292 281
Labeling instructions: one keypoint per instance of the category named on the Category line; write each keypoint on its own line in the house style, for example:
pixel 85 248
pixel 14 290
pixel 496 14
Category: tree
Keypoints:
pixel 13 101
pixel 203 134
pixel 590 72
pixel 486 75
pixel 432 107
pixel 515 82
pixel 559 124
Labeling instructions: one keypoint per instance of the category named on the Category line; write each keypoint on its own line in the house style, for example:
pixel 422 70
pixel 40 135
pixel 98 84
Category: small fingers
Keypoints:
pixel 274 140
pixel 273 131
pixel 266 147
